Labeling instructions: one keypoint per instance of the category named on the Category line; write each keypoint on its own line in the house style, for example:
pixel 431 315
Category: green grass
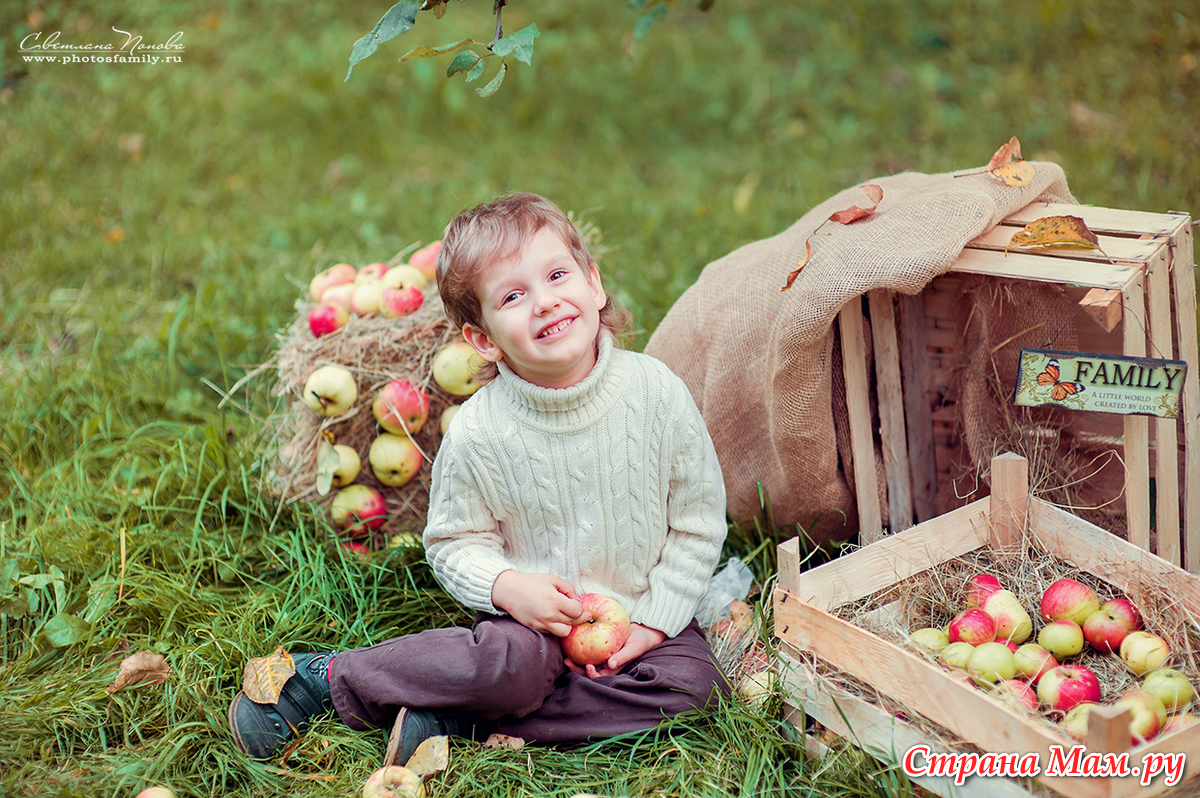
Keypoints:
pixel 119 472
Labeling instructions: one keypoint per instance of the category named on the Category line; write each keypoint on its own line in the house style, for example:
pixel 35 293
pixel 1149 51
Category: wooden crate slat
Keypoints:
pixel 1024 266
pixel 891 559
pixel 1114 247
pixel 1137 428
pixel 1184 280
pixel 1100 220
pixel 858 407
pixel 1166 442
pixel 892 429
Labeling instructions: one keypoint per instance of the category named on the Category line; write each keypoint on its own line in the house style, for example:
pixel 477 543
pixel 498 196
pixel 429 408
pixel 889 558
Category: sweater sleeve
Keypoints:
pixel 463 542
pixel 696 524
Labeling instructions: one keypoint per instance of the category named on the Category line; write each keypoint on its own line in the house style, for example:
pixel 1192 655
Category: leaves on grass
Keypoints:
pixel 854 213
pixel 144 666
pixel 431 756
pixel 504 741
pixel 66 630
pixel 1008 168
pixel 265 676
pixel 1054 231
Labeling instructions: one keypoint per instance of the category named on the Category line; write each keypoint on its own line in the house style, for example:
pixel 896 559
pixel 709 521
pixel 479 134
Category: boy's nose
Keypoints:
pixel 545 300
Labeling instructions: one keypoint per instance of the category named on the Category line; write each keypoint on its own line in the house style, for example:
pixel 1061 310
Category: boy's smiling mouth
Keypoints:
pixel 558 326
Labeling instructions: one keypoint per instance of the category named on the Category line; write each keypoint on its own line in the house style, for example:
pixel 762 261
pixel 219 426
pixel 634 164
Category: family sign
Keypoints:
pixel 1101 383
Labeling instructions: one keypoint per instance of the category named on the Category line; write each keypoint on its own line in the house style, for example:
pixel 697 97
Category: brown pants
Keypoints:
pixel 509 679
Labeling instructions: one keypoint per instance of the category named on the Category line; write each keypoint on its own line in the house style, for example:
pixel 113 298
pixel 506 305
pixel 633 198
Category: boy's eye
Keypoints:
pixel 509 298
pixel 557 273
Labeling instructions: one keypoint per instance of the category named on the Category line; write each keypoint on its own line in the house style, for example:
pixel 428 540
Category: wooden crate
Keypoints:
pixel 805 624
pixel 1147 290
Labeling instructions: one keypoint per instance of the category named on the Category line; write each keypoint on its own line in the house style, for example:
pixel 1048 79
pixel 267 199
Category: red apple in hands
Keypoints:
pixel 1069 599
pixel 1063 687
pixel 979 587
pixel 972 626
pixel 594 640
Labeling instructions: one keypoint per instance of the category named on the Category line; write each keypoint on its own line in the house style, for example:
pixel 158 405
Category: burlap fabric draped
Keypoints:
pixel 762 363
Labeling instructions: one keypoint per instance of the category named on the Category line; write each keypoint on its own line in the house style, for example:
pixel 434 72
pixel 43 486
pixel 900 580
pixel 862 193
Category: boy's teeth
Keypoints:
pixel 562 324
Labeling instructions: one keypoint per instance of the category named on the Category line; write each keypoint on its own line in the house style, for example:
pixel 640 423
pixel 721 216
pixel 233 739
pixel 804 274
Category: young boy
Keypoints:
pixel 577 468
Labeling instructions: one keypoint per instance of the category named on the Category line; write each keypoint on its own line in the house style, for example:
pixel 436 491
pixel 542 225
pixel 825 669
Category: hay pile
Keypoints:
pixel 376 350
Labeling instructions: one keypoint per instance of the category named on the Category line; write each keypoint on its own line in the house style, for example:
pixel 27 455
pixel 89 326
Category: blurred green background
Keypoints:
pixel 157 223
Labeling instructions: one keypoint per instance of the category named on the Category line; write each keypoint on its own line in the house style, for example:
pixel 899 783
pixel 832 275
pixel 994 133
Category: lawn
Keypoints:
pixel 157 223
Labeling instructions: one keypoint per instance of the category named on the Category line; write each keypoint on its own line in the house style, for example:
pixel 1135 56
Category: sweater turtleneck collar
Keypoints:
pixel 576 405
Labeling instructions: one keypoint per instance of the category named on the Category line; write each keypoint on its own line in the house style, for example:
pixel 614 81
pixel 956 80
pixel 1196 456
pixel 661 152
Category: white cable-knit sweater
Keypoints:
pixel 612 484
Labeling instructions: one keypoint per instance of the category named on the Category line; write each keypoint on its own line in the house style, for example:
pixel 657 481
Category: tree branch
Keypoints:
pixel 500 4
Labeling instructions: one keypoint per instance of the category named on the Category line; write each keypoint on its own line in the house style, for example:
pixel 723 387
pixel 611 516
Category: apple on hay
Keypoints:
pixel 597 638
pixel 1104 630
pixel 397 302
pixel 1070 599
pixel 1062 639
pixel 394 459
pixel 455 366
pixel 1064 687
pixel 366 298
pixel 1075 723
pixel 1012 621
pixel 1142 652
pixel 1124 608
pixel 324 319
pixel 1171 687
pixel 371 273
pixel 1032 661
pixel 401 406
pixel 330 390
pixel 338 274
pixel 394 781
pixel 349 464
pixel 1146 714
pixel 1178 723
pixel 358 509
pixel 403 276
pixel 979 587
pixel 929 640
pixel 956 655
pixel 972 626
pixel 991 663
pixel 425 259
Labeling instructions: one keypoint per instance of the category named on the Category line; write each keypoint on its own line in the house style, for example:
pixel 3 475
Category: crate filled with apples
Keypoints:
pixel 370 373
pixel 1008 627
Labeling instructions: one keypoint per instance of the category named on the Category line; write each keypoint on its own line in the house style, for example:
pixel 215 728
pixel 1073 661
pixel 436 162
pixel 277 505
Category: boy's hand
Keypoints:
pixel 543 602
pixel 641 639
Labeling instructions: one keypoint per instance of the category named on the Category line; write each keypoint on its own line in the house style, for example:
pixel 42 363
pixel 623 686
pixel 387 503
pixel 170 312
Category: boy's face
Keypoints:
pixel 541 313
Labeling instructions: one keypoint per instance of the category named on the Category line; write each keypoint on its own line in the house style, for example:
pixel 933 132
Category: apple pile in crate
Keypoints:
pixel 360 444
pixel 991 643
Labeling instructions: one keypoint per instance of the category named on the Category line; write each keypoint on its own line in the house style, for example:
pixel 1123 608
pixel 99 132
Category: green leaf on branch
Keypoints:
pixel 398 19
pixel 519 44
pixel 466 61
pixel 428 52
pixel 490 89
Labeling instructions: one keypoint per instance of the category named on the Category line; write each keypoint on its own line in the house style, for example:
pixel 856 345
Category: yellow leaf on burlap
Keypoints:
pixel 1054 231
pixel 265 676
pixel 1007 166
pixel 792 275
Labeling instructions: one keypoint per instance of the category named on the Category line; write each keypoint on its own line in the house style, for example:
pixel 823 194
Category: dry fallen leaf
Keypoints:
pixel 1055 231
pixel 1007 166
pixel 504 741
pixel 431 756
pixel 792 275
pixel 854 213
pixel 265 676
pixel 143 666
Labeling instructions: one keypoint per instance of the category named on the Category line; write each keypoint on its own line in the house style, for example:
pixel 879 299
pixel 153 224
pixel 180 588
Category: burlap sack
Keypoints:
pixel 761 362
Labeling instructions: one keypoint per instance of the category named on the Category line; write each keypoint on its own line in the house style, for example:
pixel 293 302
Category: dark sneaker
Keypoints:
pixel 415 726
pixel 261 729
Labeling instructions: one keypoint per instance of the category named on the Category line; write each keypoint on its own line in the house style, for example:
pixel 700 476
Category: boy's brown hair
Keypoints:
pixel 495 231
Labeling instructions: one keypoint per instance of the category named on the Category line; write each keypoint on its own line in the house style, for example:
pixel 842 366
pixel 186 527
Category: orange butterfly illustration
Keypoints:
pixel 1060 390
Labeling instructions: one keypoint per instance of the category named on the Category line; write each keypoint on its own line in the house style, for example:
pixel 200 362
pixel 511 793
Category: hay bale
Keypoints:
pixel 376 350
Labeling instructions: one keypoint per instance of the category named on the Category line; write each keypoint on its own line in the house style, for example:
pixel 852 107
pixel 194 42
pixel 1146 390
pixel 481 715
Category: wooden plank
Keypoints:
pixel 1104 306
pixel 1111 247
pixel 1137 428
pixel 862 440
pixel 1184 279
pixel 1100 220
pixel 1010 499
pixel 917 412
pixel 919 685
pixel 890 396
pixel 1023 266
pixel 789 565
pixel 877 732
pixel 1126 566
pixel 871 568
pixel 1166 440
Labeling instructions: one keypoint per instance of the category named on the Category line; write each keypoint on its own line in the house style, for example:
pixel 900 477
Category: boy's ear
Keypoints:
pixel 481 342
pixel 593 278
